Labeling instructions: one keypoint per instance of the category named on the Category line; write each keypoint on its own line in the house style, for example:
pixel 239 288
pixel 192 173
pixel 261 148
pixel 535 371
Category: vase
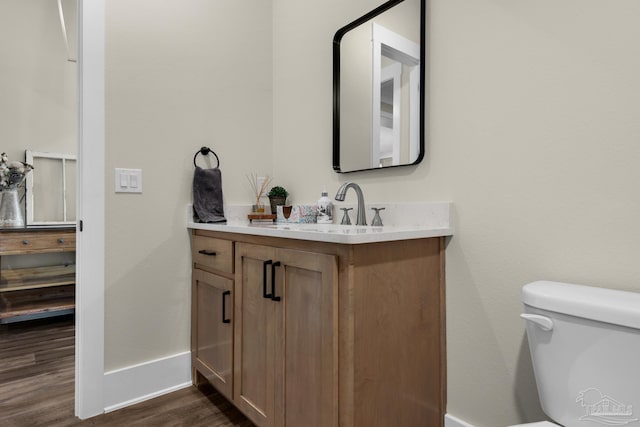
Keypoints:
pixel 10 212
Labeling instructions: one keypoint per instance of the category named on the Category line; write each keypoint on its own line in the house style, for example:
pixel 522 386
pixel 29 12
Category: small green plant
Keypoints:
pixel 278 191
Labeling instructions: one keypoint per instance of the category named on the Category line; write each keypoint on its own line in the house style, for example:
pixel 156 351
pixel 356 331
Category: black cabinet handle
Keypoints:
pixel 264 279
pixel 206 252
pixel 273 281
pixel 61 240
pixel 25 242
pixel 224 315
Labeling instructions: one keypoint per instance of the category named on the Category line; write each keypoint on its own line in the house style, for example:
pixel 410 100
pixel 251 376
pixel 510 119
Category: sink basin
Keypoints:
pixel 323 228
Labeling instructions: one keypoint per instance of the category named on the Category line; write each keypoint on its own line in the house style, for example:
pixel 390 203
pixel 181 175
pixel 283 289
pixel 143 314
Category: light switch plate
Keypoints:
pixel 128 180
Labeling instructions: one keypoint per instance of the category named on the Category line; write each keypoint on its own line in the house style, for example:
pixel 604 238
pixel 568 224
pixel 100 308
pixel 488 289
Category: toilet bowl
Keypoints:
pixel 585 347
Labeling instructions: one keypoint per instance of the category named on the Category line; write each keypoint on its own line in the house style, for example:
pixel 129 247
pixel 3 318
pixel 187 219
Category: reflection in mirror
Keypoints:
pixel 378 96
pixel 396 98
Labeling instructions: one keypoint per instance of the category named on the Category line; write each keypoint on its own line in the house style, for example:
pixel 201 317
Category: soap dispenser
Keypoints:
pixel 325 209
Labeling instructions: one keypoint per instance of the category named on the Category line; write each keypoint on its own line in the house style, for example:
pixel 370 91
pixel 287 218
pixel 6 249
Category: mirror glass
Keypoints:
pixel 378 109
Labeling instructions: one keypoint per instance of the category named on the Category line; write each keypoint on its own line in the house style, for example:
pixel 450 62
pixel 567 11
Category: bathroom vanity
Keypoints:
pixel 316 325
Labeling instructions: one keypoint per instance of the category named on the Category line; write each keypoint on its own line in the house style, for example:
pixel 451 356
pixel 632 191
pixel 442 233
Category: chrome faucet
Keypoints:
pixel 342 192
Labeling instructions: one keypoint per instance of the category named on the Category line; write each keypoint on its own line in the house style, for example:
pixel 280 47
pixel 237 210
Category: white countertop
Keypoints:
pixel 332 233
pixel 405 221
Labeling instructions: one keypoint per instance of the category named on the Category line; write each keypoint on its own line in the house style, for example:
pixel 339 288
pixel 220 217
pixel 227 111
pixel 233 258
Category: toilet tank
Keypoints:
pixel 585 349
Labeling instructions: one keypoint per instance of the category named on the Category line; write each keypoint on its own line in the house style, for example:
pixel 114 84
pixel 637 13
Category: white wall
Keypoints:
pixel 534 135
pixel 179 75
pixel 37 83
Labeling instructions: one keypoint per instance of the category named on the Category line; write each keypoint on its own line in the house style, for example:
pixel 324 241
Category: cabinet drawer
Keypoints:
pixel 214 253
pixel 37 241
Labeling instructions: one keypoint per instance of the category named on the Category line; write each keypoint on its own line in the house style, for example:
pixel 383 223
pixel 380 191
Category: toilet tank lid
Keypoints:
pixel 604 305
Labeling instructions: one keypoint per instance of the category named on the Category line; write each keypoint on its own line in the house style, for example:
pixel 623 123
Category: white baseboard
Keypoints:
pixel 134 384
pixel 451 421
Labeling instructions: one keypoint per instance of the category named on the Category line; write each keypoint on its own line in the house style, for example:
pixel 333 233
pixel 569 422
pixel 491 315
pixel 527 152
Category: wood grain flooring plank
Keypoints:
pixel 37 385
pixel 17 361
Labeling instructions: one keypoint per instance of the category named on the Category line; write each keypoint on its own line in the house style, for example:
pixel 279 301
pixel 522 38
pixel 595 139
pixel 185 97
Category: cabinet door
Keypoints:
pixel 286 355
pixel 307 339
pixel 254 334
pixel 212 339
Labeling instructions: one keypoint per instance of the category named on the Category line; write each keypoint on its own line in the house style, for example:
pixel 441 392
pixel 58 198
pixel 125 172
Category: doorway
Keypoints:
pixel 87 130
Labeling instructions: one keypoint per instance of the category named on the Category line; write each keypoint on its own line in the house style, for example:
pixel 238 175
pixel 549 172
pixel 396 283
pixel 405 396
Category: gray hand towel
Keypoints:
pixel 207 195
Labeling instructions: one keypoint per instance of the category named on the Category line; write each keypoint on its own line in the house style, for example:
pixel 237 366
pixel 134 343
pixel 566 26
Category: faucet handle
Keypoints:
pixel 345 218
pixel 377 221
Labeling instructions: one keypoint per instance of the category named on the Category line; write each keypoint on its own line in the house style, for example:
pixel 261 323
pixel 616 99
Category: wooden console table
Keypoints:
pixel 37 292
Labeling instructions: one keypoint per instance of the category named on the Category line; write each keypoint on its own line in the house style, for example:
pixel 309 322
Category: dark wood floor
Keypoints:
pixel 37 385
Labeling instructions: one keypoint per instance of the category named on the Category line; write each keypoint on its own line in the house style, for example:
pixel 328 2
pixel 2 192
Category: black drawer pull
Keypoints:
pixel 264 279
pixel 207 252
pixel 25 242
pixel 61 240
pixel 273 281
pixel 224 316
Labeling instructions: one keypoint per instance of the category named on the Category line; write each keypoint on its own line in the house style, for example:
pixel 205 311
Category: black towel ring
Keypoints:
pixel 204 151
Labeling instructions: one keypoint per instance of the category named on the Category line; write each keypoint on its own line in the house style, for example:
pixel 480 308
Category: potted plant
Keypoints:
pixel 277 197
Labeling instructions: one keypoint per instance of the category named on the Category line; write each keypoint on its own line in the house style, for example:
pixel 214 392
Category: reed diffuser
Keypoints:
pixel 259 185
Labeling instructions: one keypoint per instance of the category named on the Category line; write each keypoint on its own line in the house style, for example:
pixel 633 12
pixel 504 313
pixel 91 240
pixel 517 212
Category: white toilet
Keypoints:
pixel 585 348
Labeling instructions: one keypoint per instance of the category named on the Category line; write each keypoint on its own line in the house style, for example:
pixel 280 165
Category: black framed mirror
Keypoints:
pixel 378 90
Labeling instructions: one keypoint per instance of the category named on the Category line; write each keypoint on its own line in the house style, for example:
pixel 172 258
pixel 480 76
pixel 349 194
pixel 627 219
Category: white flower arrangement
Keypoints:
pixel 13 173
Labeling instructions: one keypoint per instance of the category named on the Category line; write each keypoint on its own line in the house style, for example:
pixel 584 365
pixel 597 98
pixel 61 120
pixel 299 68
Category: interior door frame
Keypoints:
pixel 90 231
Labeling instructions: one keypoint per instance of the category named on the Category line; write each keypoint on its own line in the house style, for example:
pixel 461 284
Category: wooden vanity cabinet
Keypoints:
pixel 212 313
pixel 331 334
